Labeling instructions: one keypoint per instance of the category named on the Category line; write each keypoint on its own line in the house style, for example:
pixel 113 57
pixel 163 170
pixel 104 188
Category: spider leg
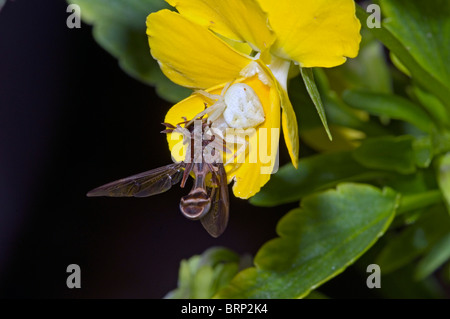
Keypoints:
pixel 238 140
pixel 226 87
pixel 212 97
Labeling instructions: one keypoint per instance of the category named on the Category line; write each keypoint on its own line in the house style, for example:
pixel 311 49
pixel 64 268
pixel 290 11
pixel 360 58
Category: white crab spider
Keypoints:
pixel 237 107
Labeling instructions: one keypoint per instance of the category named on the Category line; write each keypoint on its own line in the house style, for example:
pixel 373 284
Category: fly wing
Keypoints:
pixel 215 222
pixel 155 181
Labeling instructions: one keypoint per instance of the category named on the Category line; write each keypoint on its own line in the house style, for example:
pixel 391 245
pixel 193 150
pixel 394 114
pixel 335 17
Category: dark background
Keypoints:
pixel 71 120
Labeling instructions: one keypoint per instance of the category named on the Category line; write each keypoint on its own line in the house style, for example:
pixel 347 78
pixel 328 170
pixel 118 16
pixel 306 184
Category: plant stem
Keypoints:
pixel 416 201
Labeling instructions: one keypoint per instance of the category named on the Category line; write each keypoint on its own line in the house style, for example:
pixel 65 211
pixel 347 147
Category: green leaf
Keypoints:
pixel 317 242
pixel 423 151
pixel 223 274
pixel 435 258
pixel 201 288
pixel 119 27
pixel 414 240
pixel 392 106
pixel 443 177
pixel 432 104
pixel 387 153
pixel 314 173
pixel 423 27
pixel 369 70
pixel 399 65
pixel 441 142
pixel 311 87
pixel 423 17
pixel 201 276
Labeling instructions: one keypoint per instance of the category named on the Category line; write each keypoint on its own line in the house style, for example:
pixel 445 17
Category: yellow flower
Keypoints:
pixel 208 45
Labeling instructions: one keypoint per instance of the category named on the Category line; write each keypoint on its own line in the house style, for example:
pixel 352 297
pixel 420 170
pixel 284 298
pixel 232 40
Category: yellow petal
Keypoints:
pixel 290 127
pixel 288 118
pixel 251 175
pixel 185 109
pixel 235 19
pixel 319 33
pixel 189 54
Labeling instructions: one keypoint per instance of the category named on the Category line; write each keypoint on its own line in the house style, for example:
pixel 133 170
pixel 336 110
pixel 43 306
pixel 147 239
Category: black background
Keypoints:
pixel 71 120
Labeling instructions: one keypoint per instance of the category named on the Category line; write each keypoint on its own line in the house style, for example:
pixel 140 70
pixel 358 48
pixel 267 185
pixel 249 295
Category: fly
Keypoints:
pixel 208 203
